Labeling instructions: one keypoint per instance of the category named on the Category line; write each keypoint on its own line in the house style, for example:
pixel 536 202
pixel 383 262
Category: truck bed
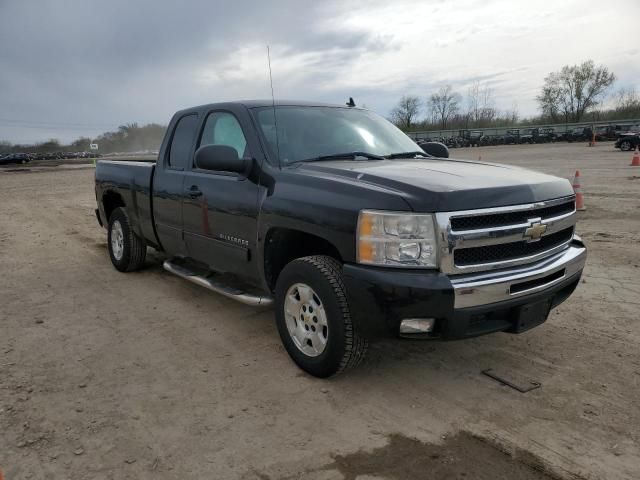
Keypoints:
pixel 132 179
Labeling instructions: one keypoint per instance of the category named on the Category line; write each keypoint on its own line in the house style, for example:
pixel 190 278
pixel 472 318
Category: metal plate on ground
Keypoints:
pixel 513 381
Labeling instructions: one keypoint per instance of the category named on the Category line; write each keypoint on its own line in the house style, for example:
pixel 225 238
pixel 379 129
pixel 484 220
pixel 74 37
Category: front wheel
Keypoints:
pixel 625 146
pixel 126 250
pixel 313 317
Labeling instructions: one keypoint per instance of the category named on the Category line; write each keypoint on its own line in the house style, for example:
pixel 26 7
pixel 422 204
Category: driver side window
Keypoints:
pixel 222 128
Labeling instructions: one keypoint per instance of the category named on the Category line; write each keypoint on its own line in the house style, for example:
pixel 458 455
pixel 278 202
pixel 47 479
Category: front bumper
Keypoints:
pixel 463 305
pixel 482 289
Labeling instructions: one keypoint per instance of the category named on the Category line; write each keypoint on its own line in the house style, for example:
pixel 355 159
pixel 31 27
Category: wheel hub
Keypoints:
pixel 306 319
pixel 117 240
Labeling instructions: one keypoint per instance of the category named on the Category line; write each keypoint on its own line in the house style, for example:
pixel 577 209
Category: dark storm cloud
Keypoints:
pixel 120 34
pixel 108 62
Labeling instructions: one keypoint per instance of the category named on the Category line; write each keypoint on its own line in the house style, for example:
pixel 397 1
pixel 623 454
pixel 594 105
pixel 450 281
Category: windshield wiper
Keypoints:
pixel 406 155
pixel 341 156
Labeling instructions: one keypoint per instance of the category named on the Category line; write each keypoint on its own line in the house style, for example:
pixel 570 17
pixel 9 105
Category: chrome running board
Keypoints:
pixel 215 283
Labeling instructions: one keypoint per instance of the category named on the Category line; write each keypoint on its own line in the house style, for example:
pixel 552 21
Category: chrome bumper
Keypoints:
pixel 490 287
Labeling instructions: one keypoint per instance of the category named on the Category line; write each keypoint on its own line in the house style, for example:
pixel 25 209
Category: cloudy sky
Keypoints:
pixel 80 67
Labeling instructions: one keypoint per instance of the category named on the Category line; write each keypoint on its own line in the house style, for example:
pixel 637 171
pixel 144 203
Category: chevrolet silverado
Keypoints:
pixel 341 222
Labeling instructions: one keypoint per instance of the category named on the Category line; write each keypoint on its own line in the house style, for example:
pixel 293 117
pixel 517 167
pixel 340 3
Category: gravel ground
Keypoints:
pixel 107 375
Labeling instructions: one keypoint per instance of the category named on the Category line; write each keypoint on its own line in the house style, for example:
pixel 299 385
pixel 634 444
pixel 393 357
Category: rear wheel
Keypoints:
pixel 313 317
pixel 126 250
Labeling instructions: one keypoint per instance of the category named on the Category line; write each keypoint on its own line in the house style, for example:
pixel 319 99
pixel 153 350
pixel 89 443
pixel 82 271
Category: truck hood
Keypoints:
pixel 440 185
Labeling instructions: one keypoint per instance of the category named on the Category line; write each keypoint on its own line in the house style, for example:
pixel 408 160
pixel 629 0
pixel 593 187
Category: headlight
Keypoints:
pixel 396 239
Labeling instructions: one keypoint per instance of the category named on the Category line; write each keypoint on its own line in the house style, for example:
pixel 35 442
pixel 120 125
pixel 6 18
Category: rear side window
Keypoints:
pixel 182 141
pixel 222 128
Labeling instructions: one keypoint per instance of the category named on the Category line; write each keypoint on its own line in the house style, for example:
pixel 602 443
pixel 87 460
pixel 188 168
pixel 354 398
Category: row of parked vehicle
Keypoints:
pixel 63 155
pixel 27 157
pixel 514 136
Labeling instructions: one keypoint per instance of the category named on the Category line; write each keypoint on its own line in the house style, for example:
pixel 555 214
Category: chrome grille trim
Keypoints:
pixel 450 240
pixel 497 219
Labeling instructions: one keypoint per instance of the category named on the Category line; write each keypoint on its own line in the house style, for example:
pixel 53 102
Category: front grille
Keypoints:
pixel 510 251
pixel 510 218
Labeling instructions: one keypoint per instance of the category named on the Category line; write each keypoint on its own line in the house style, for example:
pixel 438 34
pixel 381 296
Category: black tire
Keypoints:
pixel 344 347
pixel 625 146
pixel 134 250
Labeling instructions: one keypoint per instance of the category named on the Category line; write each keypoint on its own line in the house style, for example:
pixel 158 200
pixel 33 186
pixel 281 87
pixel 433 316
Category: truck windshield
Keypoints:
pixel 308 133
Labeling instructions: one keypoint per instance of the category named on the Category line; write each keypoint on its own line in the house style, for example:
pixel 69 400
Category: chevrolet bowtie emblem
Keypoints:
pixel 535 231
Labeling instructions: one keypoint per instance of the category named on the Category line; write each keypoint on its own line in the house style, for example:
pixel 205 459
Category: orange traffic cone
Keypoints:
pixel 635 162
pixel 577 188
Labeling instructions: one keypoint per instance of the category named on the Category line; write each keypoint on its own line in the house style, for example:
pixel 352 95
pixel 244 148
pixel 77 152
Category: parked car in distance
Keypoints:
pixel 604 133
pixel 529 135
pixel 625 129
pixel 512 136
pixel 469 138
pixel 475 138
pixel 346 226
pixel 547 135
pixel 627 142
pixel 578 134
pixel 15 158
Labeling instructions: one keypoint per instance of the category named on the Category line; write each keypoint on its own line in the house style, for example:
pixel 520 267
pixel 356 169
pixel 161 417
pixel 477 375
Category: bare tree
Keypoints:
pixel 127 128
pixel 511 116
pixel 627 101
pixel 480 105
pixel 406 111
pixel 444 104
pixel 81 143
pixel 551 100
pixel 574 90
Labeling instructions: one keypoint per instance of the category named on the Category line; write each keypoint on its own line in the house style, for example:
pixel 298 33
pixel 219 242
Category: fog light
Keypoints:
pixel 417 325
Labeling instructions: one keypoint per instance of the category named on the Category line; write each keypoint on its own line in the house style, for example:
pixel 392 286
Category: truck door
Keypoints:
pixel 220 208
pixel 168 185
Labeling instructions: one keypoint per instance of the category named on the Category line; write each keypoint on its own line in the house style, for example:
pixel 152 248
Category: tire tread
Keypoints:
pixel 355 346
pixel 136 246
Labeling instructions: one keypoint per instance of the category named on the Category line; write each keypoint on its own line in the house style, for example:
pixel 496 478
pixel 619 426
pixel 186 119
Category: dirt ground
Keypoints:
pixel 105 375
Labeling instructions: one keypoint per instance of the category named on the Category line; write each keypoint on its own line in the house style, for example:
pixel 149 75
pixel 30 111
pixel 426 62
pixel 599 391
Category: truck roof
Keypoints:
pixel 263 103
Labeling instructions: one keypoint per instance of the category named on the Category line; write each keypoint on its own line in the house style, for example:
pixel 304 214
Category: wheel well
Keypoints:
pixel 110 201
pixel 282 245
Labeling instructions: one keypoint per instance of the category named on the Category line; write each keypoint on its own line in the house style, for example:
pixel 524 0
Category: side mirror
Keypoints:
pixel 435 149
pixel 220 158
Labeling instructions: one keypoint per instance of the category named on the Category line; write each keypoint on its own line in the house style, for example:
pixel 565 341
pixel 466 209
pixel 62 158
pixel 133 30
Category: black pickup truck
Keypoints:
pixel 342 222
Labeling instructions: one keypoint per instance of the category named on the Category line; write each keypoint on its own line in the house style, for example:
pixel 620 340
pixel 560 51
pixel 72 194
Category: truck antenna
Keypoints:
pixel 273 103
